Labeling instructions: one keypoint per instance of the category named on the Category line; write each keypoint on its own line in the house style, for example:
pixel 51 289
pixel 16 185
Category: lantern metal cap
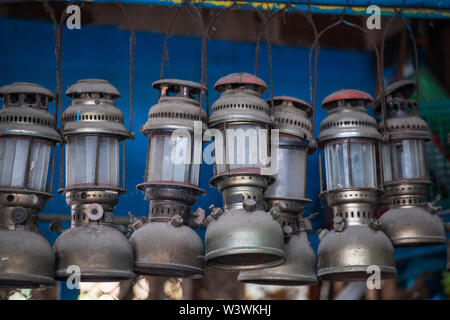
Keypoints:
pixel 399 90
pixel 26 87
pixel 93 86
pixel 331 101
pixel 294 102
pixel 240 79
pixel 175 112
pixel 348 117
pixel 195 87
pixel 93 115
pixel 28 120
pixel 290 115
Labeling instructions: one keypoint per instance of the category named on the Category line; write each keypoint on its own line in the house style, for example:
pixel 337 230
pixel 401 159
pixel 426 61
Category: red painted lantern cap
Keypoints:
pixel 346 94
pixel 298 103
pixel 240 78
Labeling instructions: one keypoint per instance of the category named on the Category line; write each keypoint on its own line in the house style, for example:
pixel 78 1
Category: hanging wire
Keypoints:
pixel 196 16
pixel 57 27
pixel 399 13
pixel 308 17
pixel 261 15
pixel 132 44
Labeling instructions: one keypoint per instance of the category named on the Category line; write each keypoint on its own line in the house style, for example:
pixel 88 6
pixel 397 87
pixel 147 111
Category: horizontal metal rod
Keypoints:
pixel 48 217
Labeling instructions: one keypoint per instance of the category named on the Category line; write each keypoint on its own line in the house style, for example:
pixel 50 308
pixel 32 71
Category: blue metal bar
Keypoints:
pixel 432 9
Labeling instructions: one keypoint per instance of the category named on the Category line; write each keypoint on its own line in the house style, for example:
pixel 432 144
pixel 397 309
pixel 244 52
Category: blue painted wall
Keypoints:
pixel 27 54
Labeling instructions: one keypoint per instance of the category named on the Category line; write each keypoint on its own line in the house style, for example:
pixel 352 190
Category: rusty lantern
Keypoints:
pixel 166 245
pixel 243 236
pixel 92 128
pixel 410 221
pixel 291 118
pixel 27 136
pixel 350 141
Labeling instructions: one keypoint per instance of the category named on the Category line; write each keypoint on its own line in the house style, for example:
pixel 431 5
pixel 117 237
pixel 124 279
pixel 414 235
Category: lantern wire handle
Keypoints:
pixel 132 43
pixel 57 26
pixel 309 19
pixel 196 16
pixel 221 13
pixel 398 13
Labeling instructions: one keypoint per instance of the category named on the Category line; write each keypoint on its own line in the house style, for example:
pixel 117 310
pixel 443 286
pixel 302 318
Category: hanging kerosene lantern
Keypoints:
pixel 244 236
pixel 295 142
pixel 166 245
pixel 407 222
pixel 93 127
pixel 350 138
pixel 27 135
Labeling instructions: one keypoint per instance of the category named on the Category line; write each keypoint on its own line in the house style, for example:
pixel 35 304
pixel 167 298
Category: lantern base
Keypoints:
pixel 298 270
pixel 26 259
pixel 244 240
pixel 100 251
pixel 355 273
pixel 168 270
pixel 348 254
pixel 413 227
pixel 168 250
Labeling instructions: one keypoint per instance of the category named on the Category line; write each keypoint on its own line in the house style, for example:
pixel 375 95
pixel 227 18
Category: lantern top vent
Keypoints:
pixel 177 107
pixel 26 88
pixel 93 86
pixel 290 116
pixel 349 97
pixel 397 98
pixel 240 80
pixel 240 101
pixel 292 102
pixel 403 120
pixel 25 112
pixel 348 117
pixel 93 110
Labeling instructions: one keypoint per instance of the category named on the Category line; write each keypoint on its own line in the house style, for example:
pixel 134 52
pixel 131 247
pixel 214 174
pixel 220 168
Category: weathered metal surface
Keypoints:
pixel 165 249
pixel 179 111
pixel 244 240
pixel 25 112
pixel 26 259
pixel 101 251
pixel 298 270
pixel 240 100
pixel 347 117
pixel 93 110
pixel 346 255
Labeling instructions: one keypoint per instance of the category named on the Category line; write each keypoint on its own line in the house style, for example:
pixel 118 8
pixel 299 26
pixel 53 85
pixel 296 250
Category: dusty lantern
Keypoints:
pixel 409 220
pixel 243 236
pixel 27 135
pixel 166 245
pixel 92 128
pixel 350 139
pixel 291 118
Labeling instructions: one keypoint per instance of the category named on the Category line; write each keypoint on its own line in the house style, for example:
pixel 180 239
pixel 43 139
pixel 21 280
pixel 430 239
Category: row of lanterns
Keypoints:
pixel 261 230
